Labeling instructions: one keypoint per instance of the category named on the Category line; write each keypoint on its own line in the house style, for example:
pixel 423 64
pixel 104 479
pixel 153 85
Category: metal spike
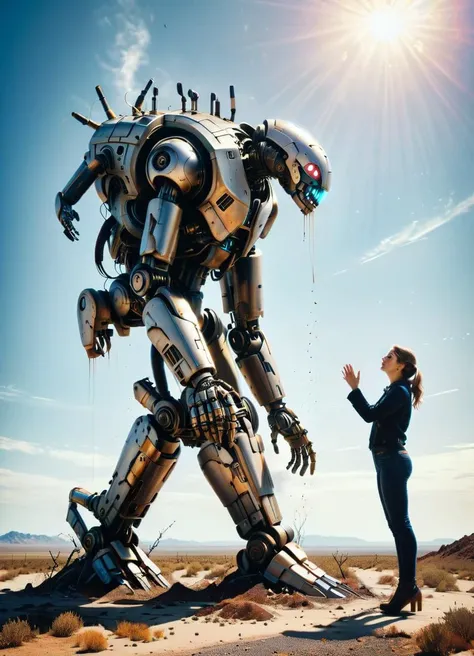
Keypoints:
pixel 232 103
pixel 85 121
pixel 110 113
pixel 153 101
pixel 141 97
pixel 179 88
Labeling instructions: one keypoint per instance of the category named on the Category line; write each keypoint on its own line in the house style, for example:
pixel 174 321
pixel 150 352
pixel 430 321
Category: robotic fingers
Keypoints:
pixel 284 421
pixel 213 412
pixel 67 216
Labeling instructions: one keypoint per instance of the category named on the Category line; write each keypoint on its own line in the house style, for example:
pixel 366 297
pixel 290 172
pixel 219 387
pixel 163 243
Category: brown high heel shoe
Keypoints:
pixel 402 597
pixel 416 600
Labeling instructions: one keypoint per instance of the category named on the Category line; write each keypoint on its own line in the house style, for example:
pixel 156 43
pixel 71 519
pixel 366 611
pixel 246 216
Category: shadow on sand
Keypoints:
pixel 40 605
pixel 348 627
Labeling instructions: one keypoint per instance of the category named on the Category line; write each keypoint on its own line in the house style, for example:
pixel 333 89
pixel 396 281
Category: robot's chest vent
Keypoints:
pixel 224 202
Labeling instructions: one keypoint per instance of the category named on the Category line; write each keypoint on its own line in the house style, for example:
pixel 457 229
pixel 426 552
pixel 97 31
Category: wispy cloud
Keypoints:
pixel 78 458
pixel 463 445
pixel 11 394
pixel 416 230
pixel 30 448
pixel 339 273
pixel 130 44
pixel 47 490
pixel 450 391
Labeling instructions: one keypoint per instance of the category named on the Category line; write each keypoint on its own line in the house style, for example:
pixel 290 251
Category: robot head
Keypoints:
pixel 307 177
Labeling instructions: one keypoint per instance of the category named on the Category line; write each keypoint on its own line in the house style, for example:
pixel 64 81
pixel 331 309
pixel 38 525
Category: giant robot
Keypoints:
pixel 189 196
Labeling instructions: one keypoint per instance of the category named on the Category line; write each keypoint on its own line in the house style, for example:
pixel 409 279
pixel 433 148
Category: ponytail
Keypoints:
pixel 417 389
pixel 410 372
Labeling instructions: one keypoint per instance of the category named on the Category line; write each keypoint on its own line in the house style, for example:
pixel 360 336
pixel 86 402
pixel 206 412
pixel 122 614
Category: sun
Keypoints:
pixel 387 23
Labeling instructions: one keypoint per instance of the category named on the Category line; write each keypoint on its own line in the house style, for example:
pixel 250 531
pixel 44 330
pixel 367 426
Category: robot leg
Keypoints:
pixel 147 459
pixel 241 479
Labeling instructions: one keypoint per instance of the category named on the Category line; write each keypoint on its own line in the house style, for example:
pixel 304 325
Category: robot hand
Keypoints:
pixel 66 216
pixel 101 343
pixel 213 410
pixel 283 421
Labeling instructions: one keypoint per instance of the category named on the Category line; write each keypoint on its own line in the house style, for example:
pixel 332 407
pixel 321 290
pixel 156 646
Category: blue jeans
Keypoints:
pixel 393 471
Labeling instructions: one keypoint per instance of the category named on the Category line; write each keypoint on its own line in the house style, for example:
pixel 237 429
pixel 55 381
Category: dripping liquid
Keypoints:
pixel 308 229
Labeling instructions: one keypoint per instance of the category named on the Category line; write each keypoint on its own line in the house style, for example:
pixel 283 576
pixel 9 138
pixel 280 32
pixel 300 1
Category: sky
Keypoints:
pixel 388 258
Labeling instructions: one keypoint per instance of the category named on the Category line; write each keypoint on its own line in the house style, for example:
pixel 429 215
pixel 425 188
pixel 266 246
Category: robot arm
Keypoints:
pixel 80 182
pixel 242 295
pixel 98 309
pixel 175 170
pixel 173 328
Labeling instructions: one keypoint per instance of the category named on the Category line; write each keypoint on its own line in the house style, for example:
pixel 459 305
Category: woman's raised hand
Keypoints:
pixel 349 376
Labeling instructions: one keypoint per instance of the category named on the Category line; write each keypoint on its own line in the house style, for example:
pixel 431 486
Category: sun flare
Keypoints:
pixel 387 23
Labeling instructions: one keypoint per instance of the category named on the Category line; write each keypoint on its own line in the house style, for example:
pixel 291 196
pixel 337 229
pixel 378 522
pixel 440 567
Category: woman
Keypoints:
pixel 390 418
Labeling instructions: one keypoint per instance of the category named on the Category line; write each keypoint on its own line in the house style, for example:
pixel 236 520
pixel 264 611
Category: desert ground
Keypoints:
pixel 256 622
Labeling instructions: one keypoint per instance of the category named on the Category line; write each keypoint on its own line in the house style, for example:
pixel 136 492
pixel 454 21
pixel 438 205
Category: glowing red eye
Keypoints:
pixel 313 171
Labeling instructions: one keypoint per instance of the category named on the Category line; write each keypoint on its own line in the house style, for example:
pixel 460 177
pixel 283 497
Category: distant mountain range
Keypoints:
pixel 311 542
pixel 14 537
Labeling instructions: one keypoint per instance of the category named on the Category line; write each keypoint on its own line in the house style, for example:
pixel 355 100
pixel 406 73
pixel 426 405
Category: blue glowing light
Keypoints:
pixel 316 194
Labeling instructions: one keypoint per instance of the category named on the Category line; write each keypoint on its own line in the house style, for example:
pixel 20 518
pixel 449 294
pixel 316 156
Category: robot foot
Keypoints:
pixel 290 568
pixel 117 561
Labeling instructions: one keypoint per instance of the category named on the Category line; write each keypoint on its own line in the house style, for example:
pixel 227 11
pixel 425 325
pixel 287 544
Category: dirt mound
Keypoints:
pixel 259 594
pixel 230 587
pixel 236 609
pixel 462 549
pixel 244 610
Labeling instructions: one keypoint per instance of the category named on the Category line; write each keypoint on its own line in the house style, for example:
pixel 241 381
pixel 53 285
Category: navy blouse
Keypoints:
pixel 390 415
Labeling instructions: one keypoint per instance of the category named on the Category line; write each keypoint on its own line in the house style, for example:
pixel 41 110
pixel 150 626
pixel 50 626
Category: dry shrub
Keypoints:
pixel 434 576
pixel 448 584
pixel 140 632
pixel 18 563
pixel 387 579
pixel 91 640
pixel 460 566
pixel 217 572
pixel 391 631
pixel 123 629
pixel 8 575
pixel 66 624
pixel 15 633
pixel 461 622
pixel 438 640
pixel 328 564
pixel 352 581
pixel 159 634
pixel 244 610
pixel 193 569
pixel 134 631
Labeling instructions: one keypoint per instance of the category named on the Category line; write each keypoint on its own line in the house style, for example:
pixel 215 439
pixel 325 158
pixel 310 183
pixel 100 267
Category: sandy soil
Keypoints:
pixel 186 634
pixel 19 582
